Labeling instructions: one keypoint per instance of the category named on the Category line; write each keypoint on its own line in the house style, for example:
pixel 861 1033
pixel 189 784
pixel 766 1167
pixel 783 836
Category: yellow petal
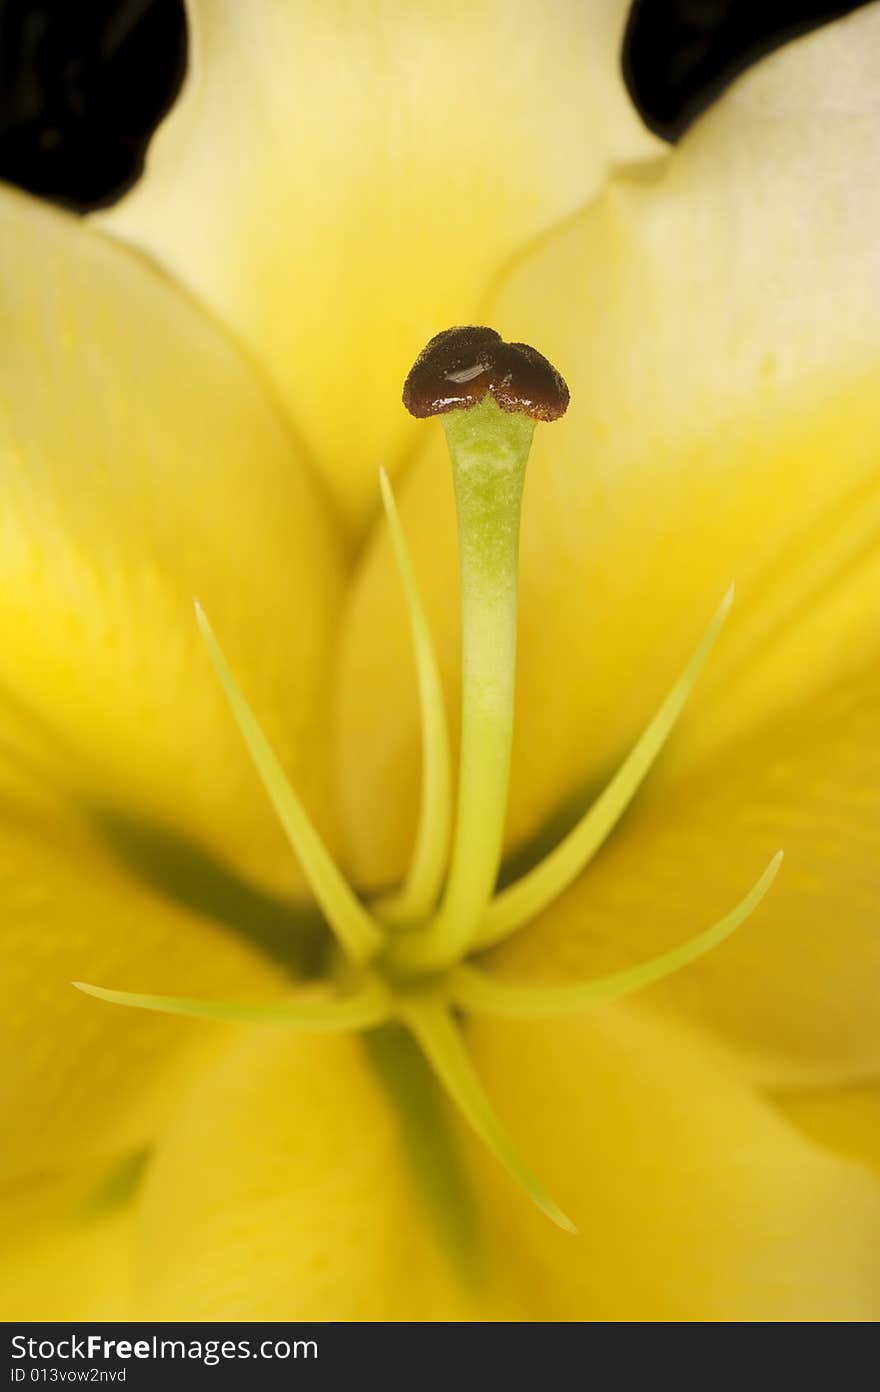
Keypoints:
pixel 796 988
pixel 66 1247
pixel 340 181
pixel 846 1121
pixel 141 464
pixel 720 327
pixel 721 330
pixel 694 1199
pixel 286 1191
pixel 81 1079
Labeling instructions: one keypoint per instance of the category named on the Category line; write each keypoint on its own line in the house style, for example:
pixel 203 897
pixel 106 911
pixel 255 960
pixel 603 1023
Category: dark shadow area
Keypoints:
pixel 678 55
pixel 429 1143
pixel 117 1186
pixel 291 934
pixel 82 88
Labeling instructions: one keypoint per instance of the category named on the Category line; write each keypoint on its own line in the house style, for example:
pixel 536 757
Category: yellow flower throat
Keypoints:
pixel 409 956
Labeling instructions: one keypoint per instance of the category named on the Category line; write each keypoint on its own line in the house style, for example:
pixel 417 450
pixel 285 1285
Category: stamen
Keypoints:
pixel 364 1009
pixel 528 896
pixel 478 991
pixel 348 918
pixel 434 1030
pixel 418 895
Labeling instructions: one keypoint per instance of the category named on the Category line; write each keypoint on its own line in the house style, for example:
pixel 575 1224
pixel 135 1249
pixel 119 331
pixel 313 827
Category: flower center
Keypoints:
pixel 407 956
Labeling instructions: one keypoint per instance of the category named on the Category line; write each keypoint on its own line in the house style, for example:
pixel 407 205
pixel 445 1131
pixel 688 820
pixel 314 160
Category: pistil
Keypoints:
pixel 490 395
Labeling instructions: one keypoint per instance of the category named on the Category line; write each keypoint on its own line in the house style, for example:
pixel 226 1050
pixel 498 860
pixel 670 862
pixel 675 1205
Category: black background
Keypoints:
pixel 83 83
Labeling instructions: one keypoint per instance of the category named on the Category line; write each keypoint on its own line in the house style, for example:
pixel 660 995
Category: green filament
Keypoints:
pixel 420 890
pixel 525 899
pixel 350 921
pixel 435 1031
pixel 364 1009
pixel 476 990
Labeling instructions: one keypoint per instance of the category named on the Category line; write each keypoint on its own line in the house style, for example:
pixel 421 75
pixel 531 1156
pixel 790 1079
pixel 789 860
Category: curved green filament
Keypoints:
pixel 348 918
pixel 362 1010
pixel 527 897
pixel 489 449
pixel 435 1031
pixel 476 990
pixel 418 895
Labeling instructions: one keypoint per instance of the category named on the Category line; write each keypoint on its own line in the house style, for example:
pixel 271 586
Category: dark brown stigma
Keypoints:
pixel 459 366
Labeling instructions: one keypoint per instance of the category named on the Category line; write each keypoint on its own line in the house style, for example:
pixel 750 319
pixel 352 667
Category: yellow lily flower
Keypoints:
pixel 206 421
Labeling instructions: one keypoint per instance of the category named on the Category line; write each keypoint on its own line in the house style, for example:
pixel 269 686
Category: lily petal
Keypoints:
pixel 719 324
pixel 80 1080
pixel 310 1211
pixel 796 989
pixel 696 1199
pixel 66 1247
pixel 142 463
pixel 846 1121
pixel 339 181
